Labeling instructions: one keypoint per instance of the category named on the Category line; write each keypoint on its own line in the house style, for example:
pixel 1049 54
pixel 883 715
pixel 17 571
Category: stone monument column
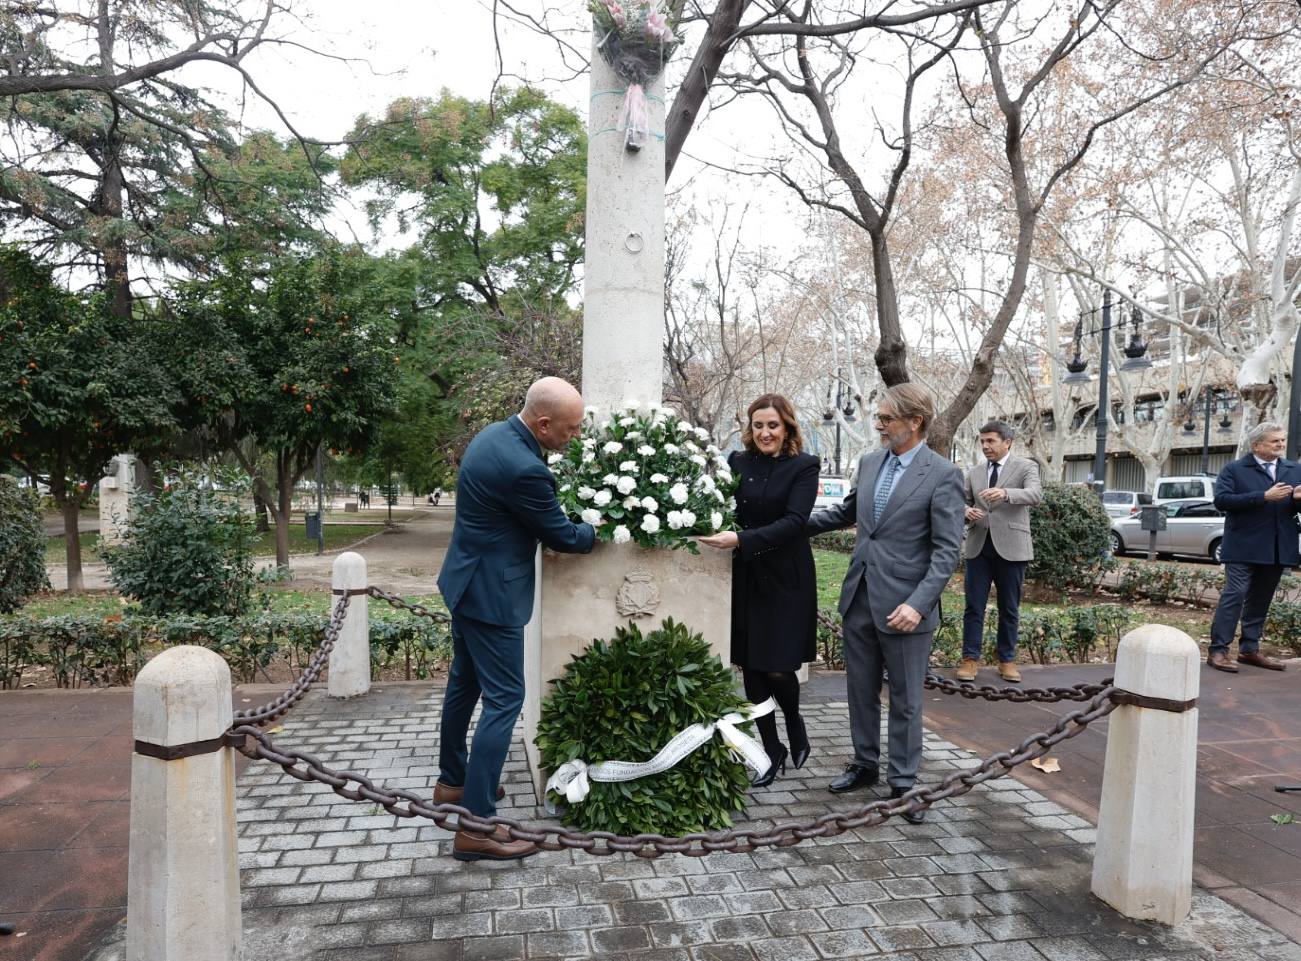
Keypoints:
pixel 580 598
pixel 115 492
pixel 623 288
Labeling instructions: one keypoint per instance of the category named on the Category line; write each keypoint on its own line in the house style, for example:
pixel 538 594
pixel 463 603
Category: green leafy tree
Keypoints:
pixel 275 367
pixel 80 385
pixel 22 545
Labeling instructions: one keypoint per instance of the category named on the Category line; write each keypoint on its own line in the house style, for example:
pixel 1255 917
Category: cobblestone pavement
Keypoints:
pixel 1000 874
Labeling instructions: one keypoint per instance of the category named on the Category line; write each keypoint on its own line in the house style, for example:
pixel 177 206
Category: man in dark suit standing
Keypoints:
pixel 1260 495
pixel 999 494
pixel 907 504
pixel 505 504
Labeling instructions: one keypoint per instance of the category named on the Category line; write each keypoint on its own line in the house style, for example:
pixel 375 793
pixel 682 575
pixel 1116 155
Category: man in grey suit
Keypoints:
pixel 909 519
pixel 999 494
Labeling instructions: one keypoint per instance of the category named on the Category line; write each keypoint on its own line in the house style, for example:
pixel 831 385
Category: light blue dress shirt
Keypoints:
pixel 905 459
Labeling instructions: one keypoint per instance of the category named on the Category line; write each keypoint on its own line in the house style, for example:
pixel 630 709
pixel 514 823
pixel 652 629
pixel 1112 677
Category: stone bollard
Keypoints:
pixel 183 866
pixel 1143 863
pixel 350 659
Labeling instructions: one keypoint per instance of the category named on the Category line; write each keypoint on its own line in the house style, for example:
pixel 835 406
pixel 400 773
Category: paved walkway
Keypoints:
pixel 998 875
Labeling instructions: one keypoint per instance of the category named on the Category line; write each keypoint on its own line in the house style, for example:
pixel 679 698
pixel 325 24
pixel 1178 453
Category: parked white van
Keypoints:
pixel 1186 487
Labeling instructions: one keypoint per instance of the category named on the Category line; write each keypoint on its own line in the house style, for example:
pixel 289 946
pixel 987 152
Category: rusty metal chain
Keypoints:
pixel 402 803
pixel 285 702
pixel 987 692
pixel 403 604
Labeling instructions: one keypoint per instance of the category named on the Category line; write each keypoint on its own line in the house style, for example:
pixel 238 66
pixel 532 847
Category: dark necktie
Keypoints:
pixel 993 475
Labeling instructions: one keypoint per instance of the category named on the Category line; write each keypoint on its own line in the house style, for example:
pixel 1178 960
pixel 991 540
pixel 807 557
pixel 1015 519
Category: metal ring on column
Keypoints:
pixel 634 243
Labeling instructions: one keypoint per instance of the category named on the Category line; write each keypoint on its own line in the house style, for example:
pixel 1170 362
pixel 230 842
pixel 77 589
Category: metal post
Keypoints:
pixel 1294 404
pixel 320 503
pixel 1206 436
pixel 1104 409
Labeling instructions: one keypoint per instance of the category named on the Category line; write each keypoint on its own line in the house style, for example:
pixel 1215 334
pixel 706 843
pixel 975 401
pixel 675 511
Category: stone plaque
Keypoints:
pixel 638 597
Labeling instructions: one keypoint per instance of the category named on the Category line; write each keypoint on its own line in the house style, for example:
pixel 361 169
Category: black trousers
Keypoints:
pixel 1248 592
pixel 1007 577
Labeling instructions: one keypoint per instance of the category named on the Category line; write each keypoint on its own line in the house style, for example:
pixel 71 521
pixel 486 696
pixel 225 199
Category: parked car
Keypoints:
pixel 1185 487
pixel 1193 527
pixel 1124 503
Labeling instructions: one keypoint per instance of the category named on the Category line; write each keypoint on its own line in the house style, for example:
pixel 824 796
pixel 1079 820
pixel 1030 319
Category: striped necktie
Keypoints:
pixel 883 492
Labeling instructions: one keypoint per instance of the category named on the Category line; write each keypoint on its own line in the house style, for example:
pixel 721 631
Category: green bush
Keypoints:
pixel 1071 532
pixel 187 550
pixel 842 542
pixel 1160 583
pixel 623 700
pixel 22 545
pixel 1283 624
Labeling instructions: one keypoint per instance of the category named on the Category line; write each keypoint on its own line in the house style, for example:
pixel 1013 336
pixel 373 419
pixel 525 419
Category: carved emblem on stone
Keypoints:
pixel 638 597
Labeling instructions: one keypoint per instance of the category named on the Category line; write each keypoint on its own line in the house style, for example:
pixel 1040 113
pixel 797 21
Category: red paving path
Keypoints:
pixel 65 780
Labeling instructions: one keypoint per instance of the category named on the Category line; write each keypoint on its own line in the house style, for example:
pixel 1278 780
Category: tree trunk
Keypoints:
pixel 261 520
pixel 892 351
pixel 285 498
pixel 70 506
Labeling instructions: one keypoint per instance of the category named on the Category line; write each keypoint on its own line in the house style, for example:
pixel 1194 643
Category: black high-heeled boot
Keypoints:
pixel 799 738
pixel 770 775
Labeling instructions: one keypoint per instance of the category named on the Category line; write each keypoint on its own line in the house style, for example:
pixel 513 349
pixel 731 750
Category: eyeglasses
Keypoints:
pixel 885 420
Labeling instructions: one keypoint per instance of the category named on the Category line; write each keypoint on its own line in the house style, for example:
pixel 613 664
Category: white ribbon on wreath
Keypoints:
pixel 573 778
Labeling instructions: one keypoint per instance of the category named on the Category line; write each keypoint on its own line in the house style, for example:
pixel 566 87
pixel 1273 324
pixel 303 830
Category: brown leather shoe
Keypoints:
pixel 1256 659
pixel 447 794
pixel 498 846
pixel 1008 672
pixel 1220 661
pixel 967 670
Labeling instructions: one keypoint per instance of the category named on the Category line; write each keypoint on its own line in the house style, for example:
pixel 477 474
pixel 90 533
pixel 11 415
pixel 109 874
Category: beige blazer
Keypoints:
pixel 1008 521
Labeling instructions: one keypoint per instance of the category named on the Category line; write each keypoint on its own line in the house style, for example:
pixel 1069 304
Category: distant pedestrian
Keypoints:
pixel 999 494
pixel 1260 495
pixel 364 498
pixel 438 495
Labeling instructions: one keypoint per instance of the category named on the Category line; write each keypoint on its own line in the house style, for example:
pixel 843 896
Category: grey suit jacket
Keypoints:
pixel 1008 521
pixel 908 556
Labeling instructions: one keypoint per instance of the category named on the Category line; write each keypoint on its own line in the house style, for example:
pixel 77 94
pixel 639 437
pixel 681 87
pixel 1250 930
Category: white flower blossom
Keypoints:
pixel 630 404
pixel 688 519
pixel 658 479
pixel 721 463
pixel 609 480
pixel 646 450
pixel 650 503
pixel 631 501
pixel 719 495
pixel 589 456
pixel 555 458
pixel 591 516
pixel 724 476
pixel 612 447
pixel 671 448
pixel 716 520
pixel 590 410
pixel 589 441
pixel 679 493
pixel 650 524
pixel 602 498
pixel 685 427
pixel 702 433
pixel 690 445
pixel 675 520
pixel 712 451
pixel 627 421
pixel 705 483
pixel 628 467
pixel 625 485
pixel 622 535
pixel 565 487
pixel 585 493
pixel 698 460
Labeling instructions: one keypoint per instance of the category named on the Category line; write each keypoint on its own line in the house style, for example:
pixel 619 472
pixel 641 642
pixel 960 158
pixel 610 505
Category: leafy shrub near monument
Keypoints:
pixel 623 700
pixel 22 545
pixel 1070 530
pixel 187 549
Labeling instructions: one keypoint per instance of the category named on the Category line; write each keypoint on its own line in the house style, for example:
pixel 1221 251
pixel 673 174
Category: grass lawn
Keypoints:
pixel 831 567
pixel 337 536
pixel 56 551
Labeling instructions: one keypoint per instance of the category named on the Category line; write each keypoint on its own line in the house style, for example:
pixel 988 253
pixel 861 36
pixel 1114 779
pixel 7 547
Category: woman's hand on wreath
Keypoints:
pixel 724 540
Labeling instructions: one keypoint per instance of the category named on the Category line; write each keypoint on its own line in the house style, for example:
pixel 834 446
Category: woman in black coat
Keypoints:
pixel 774 585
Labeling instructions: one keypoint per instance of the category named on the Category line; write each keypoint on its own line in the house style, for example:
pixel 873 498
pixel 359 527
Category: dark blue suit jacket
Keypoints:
pixel 505 504
pixel 1257 531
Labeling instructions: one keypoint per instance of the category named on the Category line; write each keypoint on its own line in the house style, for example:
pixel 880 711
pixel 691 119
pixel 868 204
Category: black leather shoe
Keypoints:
pixel 855 777
pixel 770 775
pixel 799 736
pixel 912 817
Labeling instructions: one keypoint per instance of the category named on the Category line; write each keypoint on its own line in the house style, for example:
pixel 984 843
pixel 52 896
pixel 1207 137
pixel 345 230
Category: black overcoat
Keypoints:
pixel 774 583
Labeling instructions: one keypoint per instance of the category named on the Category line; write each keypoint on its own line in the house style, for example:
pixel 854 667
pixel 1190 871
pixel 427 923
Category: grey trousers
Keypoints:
pixel 906 658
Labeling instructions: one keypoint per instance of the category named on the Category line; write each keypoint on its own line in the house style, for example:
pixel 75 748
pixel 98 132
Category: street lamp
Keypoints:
pixel 1190 429
pixel 1077 373
pixel 845 406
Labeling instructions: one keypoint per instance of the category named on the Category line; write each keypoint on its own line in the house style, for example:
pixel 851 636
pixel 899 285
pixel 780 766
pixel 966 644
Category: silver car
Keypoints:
pixel 1193 527
pixel 1124 503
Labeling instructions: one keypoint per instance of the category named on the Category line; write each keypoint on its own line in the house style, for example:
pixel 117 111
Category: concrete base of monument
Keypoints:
pixel 582 597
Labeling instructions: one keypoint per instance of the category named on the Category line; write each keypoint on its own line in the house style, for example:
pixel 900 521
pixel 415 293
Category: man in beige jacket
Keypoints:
pixel 999 494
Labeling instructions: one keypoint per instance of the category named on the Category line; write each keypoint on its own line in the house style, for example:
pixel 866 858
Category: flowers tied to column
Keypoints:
pixel 636 39
pixel 650 478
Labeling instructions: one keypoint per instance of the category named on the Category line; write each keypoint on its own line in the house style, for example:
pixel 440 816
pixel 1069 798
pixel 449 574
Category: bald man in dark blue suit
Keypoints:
pixel 505 505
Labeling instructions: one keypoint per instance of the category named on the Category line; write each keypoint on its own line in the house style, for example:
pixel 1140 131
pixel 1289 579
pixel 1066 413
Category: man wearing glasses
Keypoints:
pixel 909 521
